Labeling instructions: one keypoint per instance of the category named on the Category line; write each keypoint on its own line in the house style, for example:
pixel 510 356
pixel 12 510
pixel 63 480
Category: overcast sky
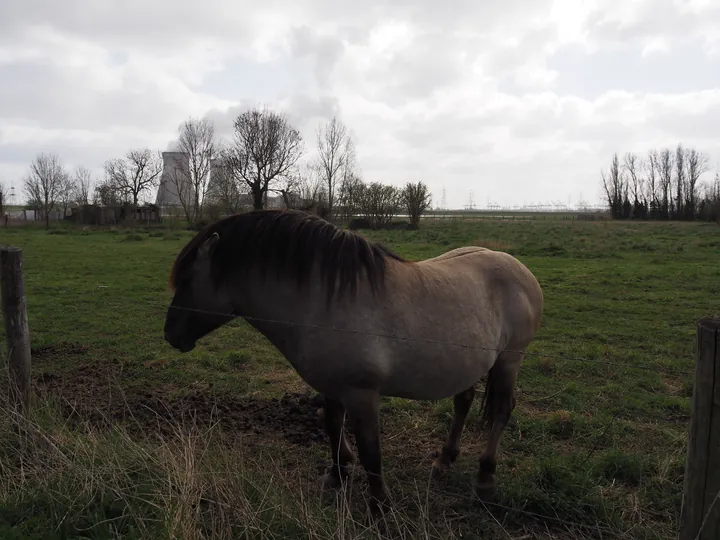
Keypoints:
pixel 520 101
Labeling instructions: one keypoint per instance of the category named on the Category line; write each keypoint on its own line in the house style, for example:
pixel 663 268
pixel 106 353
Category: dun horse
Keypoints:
pixel 358 322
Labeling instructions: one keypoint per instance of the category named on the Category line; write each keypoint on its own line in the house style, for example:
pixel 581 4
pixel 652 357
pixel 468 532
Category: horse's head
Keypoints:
pixel 199 305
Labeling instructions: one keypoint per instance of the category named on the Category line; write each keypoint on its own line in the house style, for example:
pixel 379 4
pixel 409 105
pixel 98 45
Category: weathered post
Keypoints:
pixel 17 333
pixel 700 514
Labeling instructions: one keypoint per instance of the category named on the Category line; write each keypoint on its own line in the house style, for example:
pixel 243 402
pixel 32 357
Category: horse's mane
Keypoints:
pixel 288 242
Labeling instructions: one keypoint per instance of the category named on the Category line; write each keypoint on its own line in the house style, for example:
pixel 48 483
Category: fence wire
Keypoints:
pixel 641 367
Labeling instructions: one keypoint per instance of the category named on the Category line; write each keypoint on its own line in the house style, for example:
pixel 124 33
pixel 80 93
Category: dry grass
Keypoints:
pixel 190 482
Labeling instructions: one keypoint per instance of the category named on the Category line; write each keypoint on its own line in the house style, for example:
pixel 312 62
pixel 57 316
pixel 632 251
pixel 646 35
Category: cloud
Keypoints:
pixel 518 100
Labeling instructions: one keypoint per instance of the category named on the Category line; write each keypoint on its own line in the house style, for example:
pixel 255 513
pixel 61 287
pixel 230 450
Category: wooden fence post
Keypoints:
pixel 17 332
pixel 700 514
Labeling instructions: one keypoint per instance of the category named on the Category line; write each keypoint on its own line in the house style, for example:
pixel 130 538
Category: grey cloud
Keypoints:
pixel 16 158
pixel 430 63
pixel 683 68
pixel 60 98
pixel 325 51
pixel 135 24
pixel 691 125
pixel 304 113
pixel 651 18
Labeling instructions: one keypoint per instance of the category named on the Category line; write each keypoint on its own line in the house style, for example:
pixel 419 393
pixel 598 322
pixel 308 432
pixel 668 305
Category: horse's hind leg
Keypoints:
pixel 499 403
pixel 342 456
pixel 451 449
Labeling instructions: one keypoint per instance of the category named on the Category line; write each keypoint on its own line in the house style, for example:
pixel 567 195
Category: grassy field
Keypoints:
pixel 130 439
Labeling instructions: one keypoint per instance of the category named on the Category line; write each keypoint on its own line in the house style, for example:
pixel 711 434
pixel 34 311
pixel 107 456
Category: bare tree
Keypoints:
pixel 197 141
pixel 679 181
pixel 44 182
pixel 224 193
pixel 135 174
pixel 632 168
pixel 335 156
pixel 714 195
pixel 665 169
pixel 4 192
pixel 615 187
pixel 417 199
pixel 83 185
pixel 265 149
pixel 696 164
pixel 305 190
pixel 66 193
pixel 289 190
pixel 380 203
pixel 349 193
pixel 106 193
pixel 651 184
pixel 709 204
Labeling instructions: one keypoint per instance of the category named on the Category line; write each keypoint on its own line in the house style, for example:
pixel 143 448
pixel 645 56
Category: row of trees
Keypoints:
pixel 665 184
pixel 264 157
pixel 50 186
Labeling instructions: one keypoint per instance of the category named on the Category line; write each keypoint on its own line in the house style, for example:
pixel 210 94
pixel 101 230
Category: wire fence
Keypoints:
pixel 278 322
pixel 597 361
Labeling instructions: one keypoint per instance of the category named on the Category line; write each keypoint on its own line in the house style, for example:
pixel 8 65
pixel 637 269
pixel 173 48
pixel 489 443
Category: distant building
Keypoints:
pixel 219 190
pixel 175 183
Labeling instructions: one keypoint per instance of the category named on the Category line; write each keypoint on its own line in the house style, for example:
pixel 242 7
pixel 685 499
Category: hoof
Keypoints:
pixel 329 482
pixel 332 480
pixel 485 488
pixel 439 468
pixel 379 508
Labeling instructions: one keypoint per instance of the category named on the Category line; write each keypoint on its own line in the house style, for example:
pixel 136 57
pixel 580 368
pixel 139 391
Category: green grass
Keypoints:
pixel 593 441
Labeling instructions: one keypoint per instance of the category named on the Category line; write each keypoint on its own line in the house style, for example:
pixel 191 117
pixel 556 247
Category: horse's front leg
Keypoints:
pixel 364 410
pixel 342 456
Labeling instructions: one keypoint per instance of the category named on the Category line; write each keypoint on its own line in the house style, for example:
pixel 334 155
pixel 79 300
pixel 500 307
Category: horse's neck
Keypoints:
pixel 278 308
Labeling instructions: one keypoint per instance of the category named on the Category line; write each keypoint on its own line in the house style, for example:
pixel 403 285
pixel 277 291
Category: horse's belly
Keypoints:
pixel 430 377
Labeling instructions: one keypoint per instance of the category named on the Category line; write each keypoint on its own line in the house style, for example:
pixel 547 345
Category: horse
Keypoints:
pixel 358 322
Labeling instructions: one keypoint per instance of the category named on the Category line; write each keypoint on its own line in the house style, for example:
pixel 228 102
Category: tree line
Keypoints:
pixel 264 157
pixel 663 185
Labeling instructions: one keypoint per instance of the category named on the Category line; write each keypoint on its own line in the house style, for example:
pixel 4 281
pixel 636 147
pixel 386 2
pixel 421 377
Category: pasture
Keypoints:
pixel 129 438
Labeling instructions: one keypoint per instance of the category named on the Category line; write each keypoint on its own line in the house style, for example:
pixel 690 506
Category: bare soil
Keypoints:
pixel 95 392
pixel 105 392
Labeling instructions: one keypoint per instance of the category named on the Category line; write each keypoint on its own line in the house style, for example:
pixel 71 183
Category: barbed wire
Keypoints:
pixel 449 343
pixel 642 367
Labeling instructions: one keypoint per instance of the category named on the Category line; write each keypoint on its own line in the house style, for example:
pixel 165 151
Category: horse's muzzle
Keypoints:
pixel 180 345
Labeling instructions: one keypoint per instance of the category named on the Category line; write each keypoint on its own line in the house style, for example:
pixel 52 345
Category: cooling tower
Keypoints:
pixel 214 192
pixel 175 180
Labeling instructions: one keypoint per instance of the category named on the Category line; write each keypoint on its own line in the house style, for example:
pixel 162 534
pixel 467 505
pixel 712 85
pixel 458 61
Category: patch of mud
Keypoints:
pixel 101 393
pixel 296 417
pixel 52 352
pixel 89 395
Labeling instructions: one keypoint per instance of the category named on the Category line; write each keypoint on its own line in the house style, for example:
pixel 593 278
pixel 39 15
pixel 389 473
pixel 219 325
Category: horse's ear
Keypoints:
pixel 208 246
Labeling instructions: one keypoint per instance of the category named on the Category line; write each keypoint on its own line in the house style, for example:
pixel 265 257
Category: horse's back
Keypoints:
pixel 494 281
